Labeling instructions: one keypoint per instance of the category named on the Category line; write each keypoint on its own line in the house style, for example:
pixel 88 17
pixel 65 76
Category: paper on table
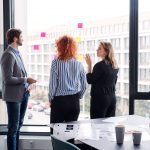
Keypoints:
pixel 102 126
pixel 87 132
pixel 145 136
pixel 107 131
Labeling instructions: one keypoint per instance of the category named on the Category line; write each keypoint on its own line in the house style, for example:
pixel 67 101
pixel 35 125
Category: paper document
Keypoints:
pixel 86 131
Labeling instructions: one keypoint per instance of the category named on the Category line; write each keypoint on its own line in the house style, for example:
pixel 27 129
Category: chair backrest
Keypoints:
pixel 61 145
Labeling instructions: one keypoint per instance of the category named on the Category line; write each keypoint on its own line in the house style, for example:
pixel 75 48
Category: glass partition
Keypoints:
pixel 90 22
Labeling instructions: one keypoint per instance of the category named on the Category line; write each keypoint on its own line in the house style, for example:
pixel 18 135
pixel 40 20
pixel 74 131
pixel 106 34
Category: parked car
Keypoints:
pixel 31 103
pixel 38 108
pixel 47 111
pixel 30 115
pixel 45 105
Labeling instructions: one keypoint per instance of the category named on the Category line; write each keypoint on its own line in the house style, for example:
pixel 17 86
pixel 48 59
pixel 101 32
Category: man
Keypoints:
pixel 15 85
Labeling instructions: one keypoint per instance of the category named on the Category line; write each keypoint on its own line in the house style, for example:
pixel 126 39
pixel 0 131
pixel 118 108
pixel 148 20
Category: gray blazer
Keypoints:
pixel 13 77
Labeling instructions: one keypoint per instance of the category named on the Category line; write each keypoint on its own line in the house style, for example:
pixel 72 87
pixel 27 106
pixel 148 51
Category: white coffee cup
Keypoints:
pixel 119 130
pixel 136 137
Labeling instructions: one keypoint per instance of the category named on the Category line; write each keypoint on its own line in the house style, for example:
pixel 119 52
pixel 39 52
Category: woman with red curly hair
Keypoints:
pixel 67 82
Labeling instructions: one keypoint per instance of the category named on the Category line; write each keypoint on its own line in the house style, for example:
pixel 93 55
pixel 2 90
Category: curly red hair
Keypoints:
pixel 66 47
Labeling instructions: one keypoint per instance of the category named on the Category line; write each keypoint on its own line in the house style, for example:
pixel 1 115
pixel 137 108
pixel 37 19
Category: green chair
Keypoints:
pixel 61 145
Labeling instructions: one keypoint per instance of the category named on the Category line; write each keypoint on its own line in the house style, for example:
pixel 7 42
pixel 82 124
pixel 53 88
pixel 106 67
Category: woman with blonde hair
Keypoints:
pixel 67 82
pixel 103 80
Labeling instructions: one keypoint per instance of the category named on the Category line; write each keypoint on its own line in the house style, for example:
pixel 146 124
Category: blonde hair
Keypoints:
pixel 110 53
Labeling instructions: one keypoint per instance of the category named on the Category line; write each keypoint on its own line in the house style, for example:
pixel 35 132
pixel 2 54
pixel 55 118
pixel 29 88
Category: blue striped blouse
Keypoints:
pixel 66 78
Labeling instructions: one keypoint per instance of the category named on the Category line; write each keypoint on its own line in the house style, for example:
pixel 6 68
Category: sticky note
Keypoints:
pixel 78 39
pixel 36 47
pixel 80 25
pixel 80 57
pixel 43 34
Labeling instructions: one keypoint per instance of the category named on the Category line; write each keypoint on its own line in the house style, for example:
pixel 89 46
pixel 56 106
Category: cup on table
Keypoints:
pixel 136 137
pixel 120 131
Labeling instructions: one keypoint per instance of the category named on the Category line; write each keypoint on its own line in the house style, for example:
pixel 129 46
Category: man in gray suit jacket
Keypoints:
pixel 15 85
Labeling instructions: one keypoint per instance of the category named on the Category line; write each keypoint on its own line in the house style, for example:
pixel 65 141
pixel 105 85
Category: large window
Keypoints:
pixel 144 47
pixel 1 38
pixel 2 105
pixel 143 87
pixel 90 22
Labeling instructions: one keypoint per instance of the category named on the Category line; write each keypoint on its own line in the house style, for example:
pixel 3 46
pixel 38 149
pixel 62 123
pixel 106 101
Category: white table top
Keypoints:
pixel 86 132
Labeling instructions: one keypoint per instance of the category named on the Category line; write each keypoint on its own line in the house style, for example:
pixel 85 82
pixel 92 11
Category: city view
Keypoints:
pixel 88 33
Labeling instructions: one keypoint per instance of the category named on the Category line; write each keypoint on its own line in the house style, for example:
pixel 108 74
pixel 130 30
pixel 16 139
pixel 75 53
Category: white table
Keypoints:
pixel 103 143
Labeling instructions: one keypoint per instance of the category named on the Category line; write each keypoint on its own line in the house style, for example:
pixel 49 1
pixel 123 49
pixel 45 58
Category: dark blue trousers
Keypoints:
pixel 16 112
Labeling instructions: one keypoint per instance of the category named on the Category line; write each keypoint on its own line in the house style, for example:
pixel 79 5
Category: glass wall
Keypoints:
pixel 1 36
pixel 144 47
pixel 90 22
pixel 2 104
pixel 142 106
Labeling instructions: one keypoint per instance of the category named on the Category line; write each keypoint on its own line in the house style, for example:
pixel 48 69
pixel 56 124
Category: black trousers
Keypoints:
pixel 65 108
pixel 102 106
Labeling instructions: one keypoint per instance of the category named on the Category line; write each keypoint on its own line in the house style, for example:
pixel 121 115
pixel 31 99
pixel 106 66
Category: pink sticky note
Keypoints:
pixel 80 25
pixel 43 34
pixel 36 47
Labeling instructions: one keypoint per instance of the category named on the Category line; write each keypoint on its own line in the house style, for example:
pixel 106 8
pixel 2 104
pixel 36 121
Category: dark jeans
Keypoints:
pixel 16 112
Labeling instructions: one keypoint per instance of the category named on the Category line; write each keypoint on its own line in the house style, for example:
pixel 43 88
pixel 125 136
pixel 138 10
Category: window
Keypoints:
pixel 2 104
pixel 116 43
pixel 46 48
pixel 126 89
pixel 118 58
pixel 126 43
pixel 42 48
pixel 142 108
pixel 126 73
pixel 1 37
pixel 146 24
pixel 144 46
pixel 81 46
pixel 126 59
pixel 91 45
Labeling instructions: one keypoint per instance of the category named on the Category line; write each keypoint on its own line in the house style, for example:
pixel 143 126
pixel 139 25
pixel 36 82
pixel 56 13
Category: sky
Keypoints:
pixel 43 14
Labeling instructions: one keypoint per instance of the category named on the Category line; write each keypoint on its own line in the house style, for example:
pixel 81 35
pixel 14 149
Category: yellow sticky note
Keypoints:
pixel 78 39
pixel 80 57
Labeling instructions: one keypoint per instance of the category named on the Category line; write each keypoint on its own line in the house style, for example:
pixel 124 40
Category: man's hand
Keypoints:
pixel 31 80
